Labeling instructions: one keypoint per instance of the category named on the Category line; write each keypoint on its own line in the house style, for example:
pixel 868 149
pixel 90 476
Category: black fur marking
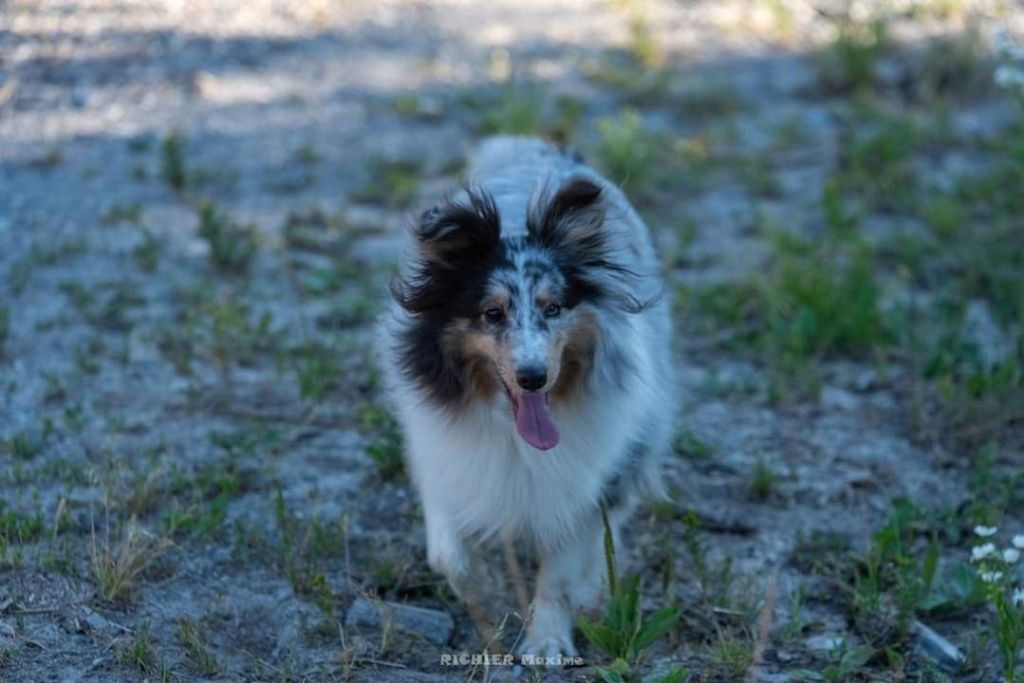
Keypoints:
pixel 571 226
pixel 460 247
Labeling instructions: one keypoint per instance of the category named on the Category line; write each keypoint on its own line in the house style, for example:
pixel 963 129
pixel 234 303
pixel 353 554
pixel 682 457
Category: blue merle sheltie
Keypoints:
pixel 527 354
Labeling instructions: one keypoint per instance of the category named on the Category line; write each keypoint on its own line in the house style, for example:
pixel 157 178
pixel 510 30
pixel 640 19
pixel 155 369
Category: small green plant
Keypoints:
pixel 117 565
pixel 690 446
pixel 304 548
pixel 140 650
pixel 386 446
pixel 762 483
pixel 848 661
pixel 391 182
pixel 519 110
pixel 734 655
pixel 318 368
pixel 623 632
pixel 232 246
pixel 848 64
pixel 628 151
pixel 173 170
pixel 192 636
pixel 24 445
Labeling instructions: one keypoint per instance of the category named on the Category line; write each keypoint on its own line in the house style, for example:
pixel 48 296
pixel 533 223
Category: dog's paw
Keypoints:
pixel 547 649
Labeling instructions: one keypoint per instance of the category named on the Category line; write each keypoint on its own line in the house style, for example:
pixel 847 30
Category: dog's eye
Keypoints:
pixel 494 315
pixel 552 311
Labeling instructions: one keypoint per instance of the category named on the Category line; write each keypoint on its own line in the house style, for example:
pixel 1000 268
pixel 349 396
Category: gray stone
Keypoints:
pixel 429 624
pixel 936 648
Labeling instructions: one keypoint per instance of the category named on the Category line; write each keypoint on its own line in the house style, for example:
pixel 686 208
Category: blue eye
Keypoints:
pixel 494 315
pixel 552 311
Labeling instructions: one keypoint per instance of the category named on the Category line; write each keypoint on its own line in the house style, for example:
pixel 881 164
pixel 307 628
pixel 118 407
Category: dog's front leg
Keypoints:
pixel 446 551
pixel 570 579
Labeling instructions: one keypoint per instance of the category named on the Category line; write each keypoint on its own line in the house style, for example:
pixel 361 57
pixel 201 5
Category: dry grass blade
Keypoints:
pixel 117 566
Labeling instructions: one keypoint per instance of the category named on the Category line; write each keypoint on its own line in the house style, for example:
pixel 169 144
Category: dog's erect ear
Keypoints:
pixel 458 230
pixel 572 218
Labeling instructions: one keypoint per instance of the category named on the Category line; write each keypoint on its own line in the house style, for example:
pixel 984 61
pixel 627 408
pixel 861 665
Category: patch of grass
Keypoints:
pixel 391 182
pixel 643 45
pixel 624 633
pixel 24 445
pixel 733 656
pixel 690 446
pixel 118 564
pixel 848 63
pixel 386 445
pixel 318 369
pixel 763 480
pixel 815 299
pixel 628 151
pixel 139 652
pixel 519 110
pixel 895 580
pixel 304 548
pixel 173 168
pixel 877 166
pixel 222 330
pixel 232 246
pixel 192 636
pixel 721 590
pixel 17 528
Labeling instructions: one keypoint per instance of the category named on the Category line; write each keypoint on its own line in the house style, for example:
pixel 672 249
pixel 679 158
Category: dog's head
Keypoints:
pixel 518 315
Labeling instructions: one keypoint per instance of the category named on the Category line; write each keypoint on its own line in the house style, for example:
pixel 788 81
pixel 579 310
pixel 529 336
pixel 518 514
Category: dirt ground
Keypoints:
pixel 199 477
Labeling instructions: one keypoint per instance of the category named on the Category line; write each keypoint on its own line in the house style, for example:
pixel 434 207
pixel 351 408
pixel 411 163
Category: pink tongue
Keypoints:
pixel 534 421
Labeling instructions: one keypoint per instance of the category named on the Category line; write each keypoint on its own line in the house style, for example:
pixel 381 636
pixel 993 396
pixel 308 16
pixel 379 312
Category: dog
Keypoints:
pixel 527 356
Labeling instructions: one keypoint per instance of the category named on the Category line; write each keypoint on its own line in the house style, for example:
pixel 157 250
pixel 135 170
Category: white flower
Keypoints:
pixel 991 577
pixel 1018 597
pixel 1018 541
pixel 980 552
pixel 985 531
pixel 1011 555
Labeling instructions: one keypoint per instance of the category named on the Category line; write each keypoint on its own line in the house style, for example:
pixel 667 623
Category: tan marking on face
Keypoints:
pixel 577 354
pixel 482 356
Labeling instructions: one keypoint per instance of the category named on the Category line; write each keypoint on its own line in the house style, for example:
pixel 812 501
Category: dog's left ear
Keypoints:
pixel 572 218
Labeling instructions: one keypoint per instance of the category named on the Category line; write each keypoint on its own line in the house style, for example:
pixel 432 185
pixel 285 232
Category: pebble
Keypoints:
pixel 432 625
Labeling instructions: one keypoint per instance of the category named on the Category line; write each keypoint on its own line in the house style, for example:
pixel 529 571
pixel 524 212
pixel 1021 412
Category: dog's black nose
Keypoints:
pixel 531 379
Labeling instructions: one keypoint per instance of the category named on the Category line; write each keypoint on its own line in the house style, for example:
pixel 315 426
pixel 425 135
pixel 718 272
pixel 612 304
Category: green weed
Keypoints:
pixel 623 632
pixel 386 446
pixel 232 246
pixel 173 170
pixel 848 64
pixel 391 182
pixel 192 636
pixel 628 151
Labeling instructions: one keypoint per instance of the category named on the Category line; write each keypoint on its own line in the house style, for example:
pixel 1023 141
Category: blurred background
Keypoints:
pixel 201 204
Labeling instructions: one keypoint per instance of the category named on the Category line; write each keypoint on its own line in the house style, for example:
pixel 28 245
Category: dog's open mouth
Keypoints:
pixel 533 418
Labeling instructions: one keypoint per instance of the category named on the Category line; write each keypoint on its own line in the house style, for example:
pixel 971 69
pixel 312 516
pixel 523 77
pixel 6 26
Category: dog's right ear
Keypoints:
pixel 459 230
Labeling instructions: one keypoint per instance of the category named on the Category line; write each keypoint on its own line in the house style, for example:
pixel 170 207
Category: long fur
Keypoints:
pixel 531 213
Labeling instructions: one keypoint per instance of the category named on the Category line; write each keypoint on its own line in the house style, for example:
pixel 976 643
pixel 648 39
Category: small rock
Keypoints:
pixel 937 649
pixel 824 643
pixel 429 624
pixel 95 621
